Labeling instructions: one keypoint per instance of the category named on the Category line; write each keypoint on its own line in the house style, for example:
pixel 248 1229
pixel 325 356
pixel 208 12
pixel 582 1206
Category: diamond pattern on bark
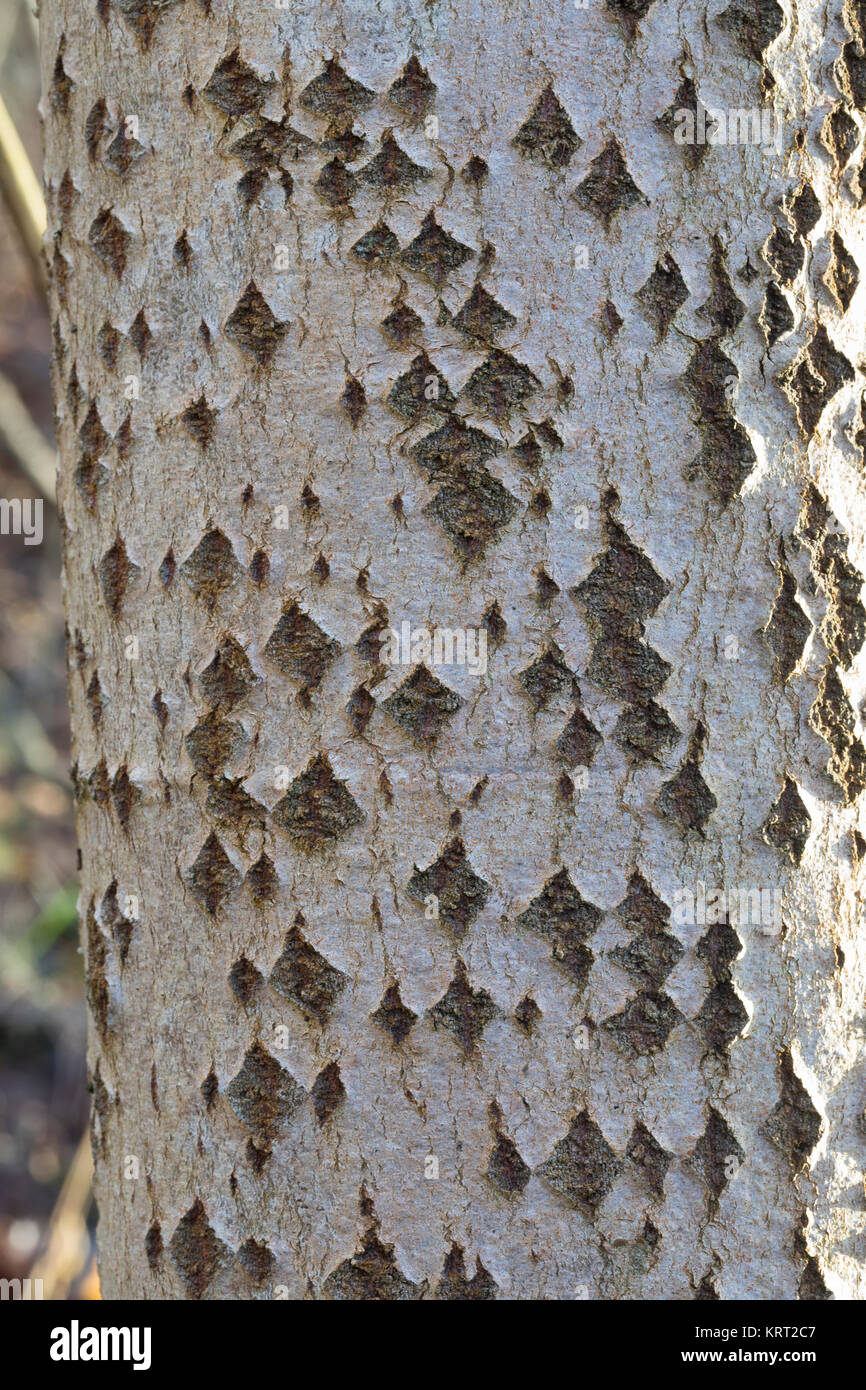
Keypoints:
pixel 452 447
pixel 579 741
pixel 299 647
pixel 608 188
pixel 548 676
pixel 623 588
pixel 304 977
pixel 197 1251
pixel 718 948
pixel 686 798
pixel 788 628
pixel 213 876
pixel 229 678
pixel 393 1016
pixel 583 1167
pixel 777 317
pixel 663 295
pixel 335 94
pixel 481 317
pixel 500 385
pixel 723 309
pixel 413 92
pixel 391 169
pixel 211 567
pixel 232 807
pixel 422 705
pixel 566 920
pixel 788 824
pixel 794 1125
pixel 116 573
pixel 214 742
pixel 841 276
pixel 456 1286
pixel 421 391
pixel 254 327
pixel 832 716
pixel 813 378
pixel 620 592
pixel 434 253
pixel 752 25
pixel 649 1158
pixel 649 958
pixel 547 136
pixel 328 1092
pixel 671 121
pixel 264 1096
pixel 506 1169
pixel 645 1024
pixel 318 806
pixel 727 457
pixel 460 893
pixel 111 241
pixel 463 1011
pixel 722 1017
pixel 245 980
pixel 844 628
pixel 645 731
pixel 235 87
pixel 472 508
pixel 716 1156
pixel 372 1275
pixel 377 246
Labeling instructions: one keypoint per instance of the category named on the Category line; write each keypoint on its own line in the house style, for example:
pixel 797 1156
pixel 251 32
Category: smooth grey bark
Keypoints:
pixel 413 313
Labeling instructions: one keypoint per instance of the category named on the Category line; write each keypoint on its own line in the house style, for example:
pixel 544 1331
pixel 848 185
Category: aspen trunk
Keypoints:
pixel 462 480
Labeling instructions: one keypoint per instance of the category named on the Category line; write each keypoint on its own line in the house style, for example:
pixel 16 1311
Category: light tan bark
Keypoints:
pixel 661 534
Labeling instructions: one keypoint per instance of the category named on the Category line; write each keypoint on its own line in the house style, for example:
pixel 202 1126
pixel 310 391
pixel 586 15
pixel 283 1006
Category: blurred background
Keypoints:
pixel 46 1215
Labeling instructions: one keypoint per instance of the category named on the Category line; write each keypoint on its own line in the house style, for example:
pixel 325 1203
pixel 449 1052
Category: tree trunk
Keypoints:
pixel 462 475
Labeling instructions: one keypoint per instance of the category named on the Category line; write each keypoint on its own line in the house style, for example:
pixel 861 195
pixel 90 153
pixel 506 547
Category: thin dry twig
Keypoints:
pixel 22 194
pixel 63 1261
pixel 25 442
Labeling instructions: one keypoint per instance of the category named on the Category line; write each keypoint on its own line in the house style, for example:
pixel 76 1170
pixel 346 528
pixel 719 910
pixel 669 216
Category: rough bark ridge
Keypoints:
pixel 361 312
